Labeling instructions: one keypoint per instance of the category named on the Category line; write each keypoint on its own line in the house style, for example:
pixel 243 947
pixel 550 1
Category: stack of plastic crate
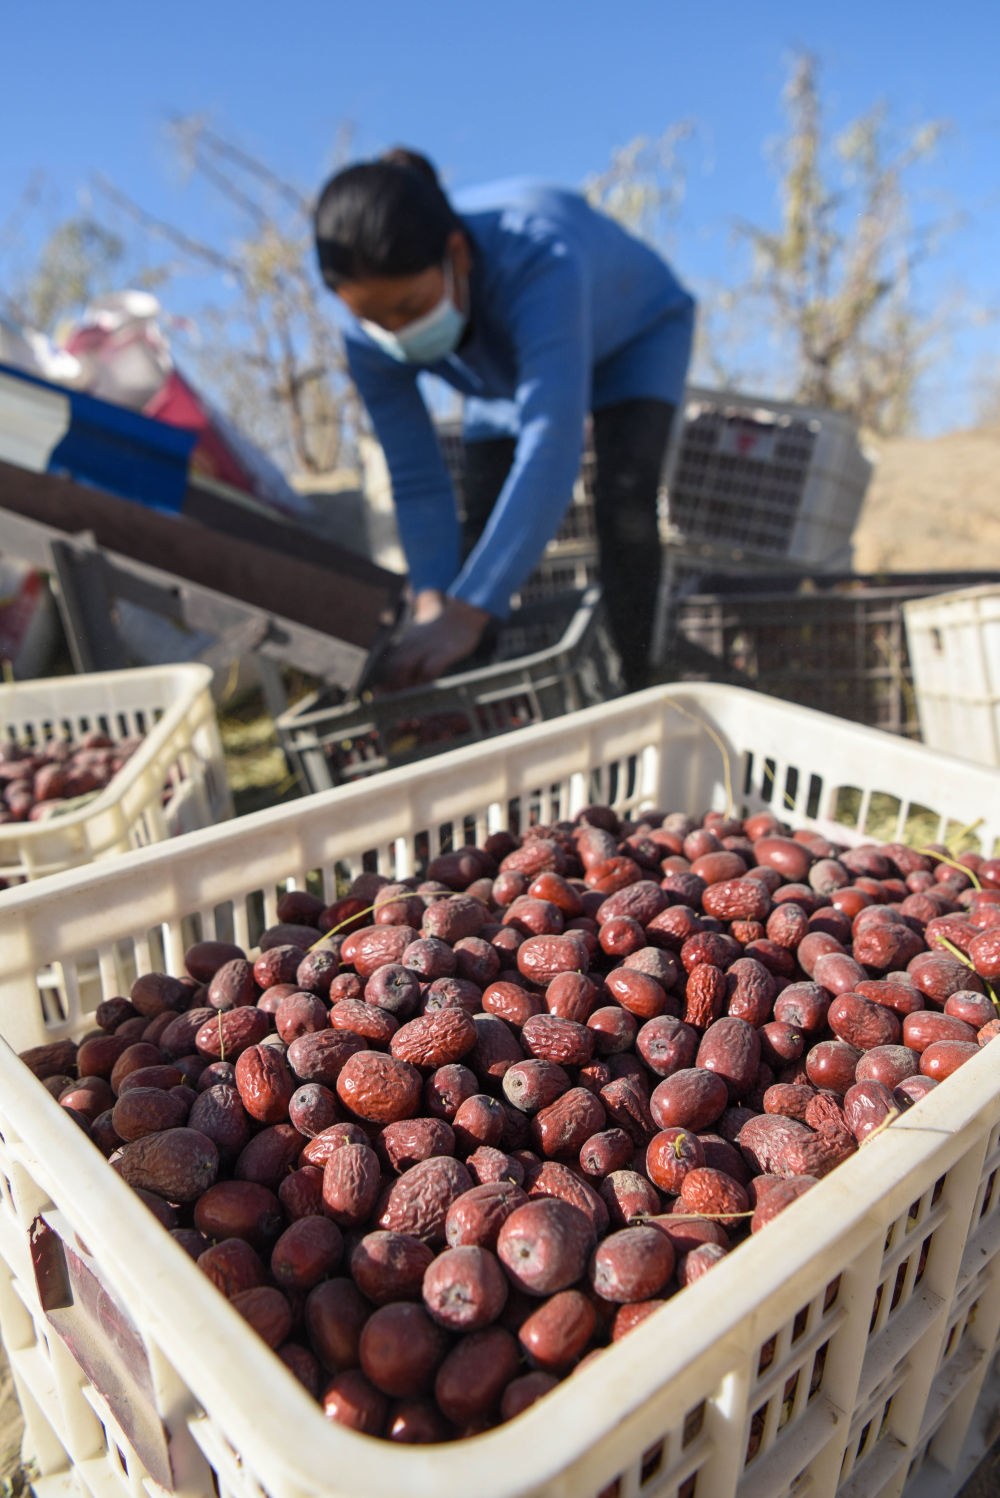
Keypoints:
pixel 760 489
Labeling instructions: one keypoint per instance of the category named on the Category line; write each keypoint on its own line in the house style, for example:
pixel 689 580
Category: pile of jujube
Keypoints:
pixel 444 1139
pixel 34 778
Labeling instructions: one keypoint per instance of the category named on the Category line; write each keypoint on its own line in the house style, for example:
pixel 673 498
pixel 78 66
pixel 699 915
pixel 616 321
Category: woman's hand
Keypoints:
pixel 444 630
pixel 427 605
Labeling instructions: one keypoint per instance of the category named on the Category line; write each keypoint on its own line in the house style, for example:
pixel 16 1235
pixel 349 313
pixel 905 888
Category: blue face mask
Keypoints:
pixel 429 338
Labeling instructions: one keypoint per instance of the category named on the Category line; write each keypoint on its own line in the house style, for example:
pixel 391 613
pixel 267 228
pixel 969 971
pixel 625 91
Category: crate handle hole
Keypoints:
pixel 652 1461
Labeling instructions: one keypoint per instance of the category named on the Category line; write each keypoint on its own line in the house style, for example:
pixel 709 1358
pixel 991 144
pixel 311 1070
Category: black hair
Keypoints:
pixel 387 217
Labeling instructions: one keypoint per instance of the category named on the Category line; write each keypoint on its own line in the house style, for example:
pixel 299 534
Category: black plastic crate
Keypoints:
pixel 577 528
pixel 835 643
pixel 551 657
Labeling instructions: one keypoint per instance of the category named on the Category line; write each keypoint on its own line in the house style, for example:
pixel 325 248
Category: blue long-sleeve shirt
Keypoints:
pixel 569 313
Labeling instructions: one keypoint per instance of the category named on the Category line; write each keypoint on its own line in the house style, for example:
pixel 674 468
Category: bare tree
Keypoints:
pixel 79 258
pixel 835 282
pixel 270 352
pixel 828 312
pixel 272 355
pixel 987 402
pixel 643 184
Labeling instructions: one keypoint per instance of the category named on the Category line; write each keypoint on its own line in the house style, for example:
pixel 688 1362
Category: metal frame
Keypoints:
pixel 290 580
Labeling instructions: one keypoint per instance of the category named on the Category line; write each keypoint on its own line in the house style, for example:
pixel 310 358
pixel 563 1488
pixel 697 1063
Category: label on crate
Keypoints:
pixel 101 1337
pixel 748 439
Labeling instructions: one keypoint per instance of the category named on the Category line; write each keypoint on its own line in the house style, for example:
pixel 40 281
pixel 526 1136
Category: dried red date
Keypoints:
pixel 667 1044
pixel 715 1194
pixel 379 1088
pixel 614 1030
pixel 704 995
pixel 670 1155
pixel 511 1002
pixel 560 1040
pixel 926 1026
pixel 692 1098
pixel 633 1264
pixel 868 1105
pixel 889 1064
pixel 637 992
pixel 731 1048
pixel 861 1023
pixel 629 1197
pixel 831 1065
pixel 942 1057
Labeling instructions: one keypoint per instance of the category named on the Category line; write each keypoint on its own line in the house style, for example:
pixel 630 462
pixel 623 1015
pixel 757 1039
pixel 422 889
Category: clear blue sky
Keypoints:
pixel 547 87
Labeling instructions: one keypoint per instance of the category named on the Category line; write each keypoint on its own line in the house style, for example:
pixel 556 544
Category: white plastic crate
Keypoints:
pixel 774 478
pixel 174 782
pixel 954 645
pixel 848 1347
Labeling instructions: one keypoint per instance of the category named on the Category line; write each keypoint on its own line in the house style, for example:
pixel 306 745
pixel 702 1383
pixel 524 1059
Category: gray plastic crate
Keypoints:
pixel 775 478
pixel 577 528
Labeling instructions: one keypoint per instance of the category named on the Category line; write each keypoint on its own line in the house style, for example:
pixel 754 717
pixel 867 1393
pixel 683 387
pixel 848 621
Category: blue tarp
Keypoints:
pixel 114 449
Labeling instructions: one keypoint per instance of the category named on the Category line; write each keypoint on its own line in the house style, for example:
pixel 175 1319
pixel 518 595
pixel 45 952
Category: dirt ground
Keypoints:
pixel 933 505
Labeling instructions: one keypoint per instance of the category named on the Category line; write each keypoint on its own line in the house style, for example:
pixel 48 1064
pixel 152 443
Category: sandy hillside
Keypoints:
pixel 933 505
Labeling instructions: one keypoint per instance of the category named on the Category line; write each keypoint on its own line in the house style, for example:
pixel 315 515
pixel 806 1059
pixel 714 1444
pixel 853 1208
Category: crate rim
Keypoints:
pixel 143 860
pixel 837 587
pixel 738 398
pixel 193 673
pixel 958 596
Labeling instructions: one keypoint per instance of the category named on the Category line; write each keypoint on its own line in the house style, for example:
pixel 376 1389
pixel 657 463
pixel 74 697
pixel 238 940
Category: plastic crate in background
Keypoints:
pixel 775 478
pixel 954 642
pixel 834 643
pixel 687 565
pixel 570 559
pixel 775 481
pixel 559 573
pixel 842 653
pixel 174 782
pixel 697 568
pixel 577 527
pixel 551 657
pixel 845 1350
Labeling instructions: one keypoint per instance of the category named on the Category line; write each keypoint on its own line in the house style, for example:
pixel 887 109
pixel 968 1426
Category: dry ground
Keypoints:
pixel 933 505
